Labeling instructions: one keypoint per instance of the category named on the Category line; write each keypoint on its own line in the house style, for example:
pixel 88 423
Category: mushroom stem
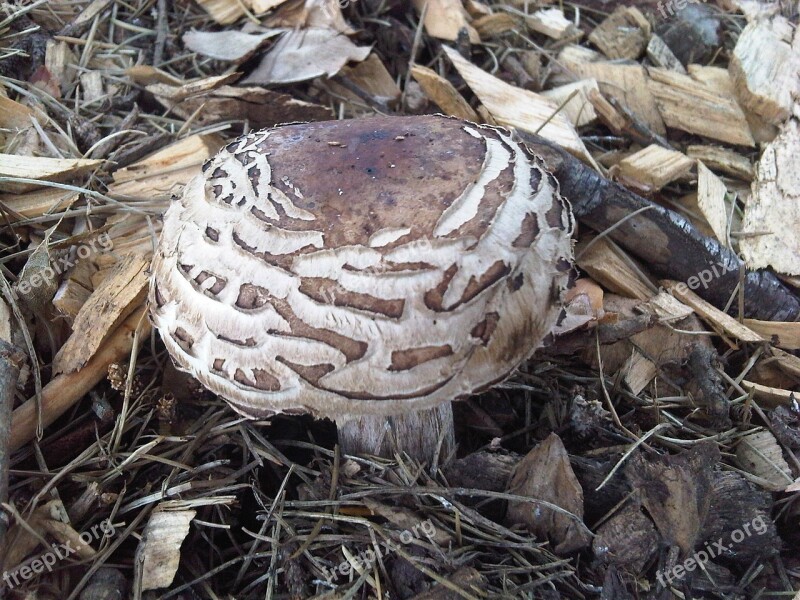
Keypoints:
pixel 417 433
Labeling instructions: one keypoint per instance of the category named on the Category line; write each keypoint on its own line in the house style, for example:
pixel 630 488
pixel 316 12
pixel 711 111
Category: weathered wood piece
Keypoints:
pixel 623 34
pixel 443 93
pixel 765 67
pixel 711 193
pixel 40 168
pixel 627 84
pixel 515 107
pixel 655 166
pixel 688 105
pixel 119 295
pixel 610 267
pixel 726 161
pixel 552 23
pixel 772 214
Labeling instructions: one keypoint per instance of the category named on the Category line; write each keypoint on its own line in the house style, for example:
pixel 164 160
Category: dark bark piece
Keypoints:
pixel 545 474
pixel 106 584
pixel 692 33
pixel 628 539
pixel 31 48
pixel 662 238
pixel 706 385
pixel 614 586
pixel 675 490
pixel 785 422
pixel 483 470
pixel 590 473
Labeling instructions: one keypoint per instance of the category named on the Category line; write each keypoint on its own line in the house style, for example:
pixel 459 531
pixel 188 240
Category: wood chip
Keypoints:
pixel 370 78
pixel 552 23
pixel 42 169
pixel 92 86
pixel 36 202
pixel 223 12
pixel 655 166
pixel 65 390
pixel 788 363
pixel 546 474
pixel 165 172
pixel 579 109
pixel 623 34
pixel 14 115
pixel 573 54
pixel 667 307
pixel 496 24
pixel 627 84
pixel 766 68
pixel 723 160
pixel 75 290
pixel 120 294
pixel 711 193
pixel 5 321
pixel 181 92
pixel 688 105
pixel 721 322
pixel 87 14
pixel 148 75
pixel 759 454
pixel 159 551
pixel 774 206
pixel 59 60
pixel 784 335
pixel 771 397
pixel 606 112
pixel 444 19
pixel 612 268
pixel 515 107
pixel 443 93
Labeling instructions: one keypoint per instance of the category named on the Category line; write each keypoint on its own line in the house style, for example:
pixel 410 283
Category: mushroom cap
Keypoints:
pixel 361 267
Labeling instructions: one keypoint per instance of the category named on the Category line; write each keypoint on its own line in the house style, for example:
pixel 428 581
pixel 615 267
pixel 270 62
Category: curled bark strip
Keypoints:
pixel 669 244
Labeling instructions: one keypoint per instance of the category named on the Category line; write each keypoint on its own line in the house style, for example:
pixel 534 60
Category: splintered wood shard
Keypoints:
pixel 365 267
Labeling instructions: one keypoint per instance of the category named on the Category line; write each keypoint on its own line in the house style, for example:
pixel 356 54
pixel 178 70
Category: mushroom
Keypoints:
pixel 368 271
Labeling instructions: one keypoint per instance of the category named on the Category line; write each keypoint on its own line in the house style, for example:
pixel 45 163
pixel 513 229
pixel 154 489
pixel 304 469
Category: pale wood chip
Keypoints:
pixel 721 322
pixel 442 93
pixel 119 295
pixel 655 166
